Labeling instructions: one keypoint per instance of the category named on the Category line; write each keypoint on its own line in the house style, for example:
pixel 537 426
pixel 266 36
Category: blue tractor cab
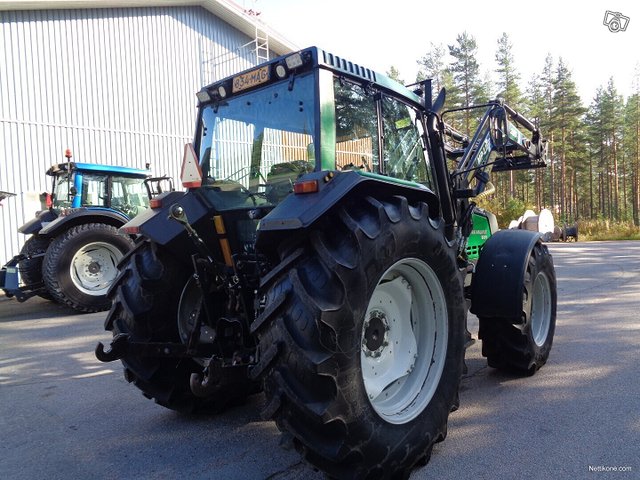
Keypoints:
pixel 74 248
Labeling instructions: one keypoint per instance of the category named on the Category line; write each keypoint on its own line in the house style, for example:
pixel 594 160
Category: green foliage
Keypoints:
pixel 394 74
pixel 513 209
pixel 433 66
pixel 593 161
pixel 466 77
pixel 591 230
pixel 508 76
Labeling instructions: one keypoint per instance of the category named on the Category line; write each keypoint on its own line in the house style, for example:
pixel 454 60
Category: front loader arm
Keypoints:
pixel 499 137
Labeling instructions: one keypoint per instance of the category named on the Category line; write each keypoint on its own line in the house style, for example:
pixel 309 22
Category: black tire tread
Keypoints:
pixel 50 267
pixel 145 300
pixel 508 343
pixel 31 269
pixel 303 388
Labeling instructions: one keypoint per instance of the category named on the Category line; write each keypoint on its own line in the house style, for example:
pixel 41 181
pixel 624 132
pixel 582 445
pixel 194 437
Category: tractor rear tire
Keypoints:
pixel 31 269
pixel 81 264
pixel 522 345
pixel 146 298
pixel 362 339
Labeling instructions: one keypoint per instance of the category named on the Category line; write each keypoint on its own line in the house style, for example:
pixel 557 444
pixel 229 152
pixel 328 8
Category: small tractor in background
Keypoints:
pixel 74 246
pixel 320 255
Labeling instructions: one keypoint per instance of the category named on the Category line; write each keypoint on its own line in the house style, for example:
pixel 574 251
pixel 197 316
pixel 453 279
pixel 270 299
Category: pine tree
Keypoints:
pixel 632 147
pixel 433 66
pixel 394 74
pixel 612 112
pixel 509 91
pixel 466 76
pixel 508 77
pixel 535 110
pixel 596 149
pixel 547 126
pixel 566 116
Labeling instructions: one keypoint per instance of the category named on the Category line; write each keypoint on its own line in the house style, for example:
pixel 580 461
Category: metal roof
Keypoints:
pixel 229 11
pixel 92 167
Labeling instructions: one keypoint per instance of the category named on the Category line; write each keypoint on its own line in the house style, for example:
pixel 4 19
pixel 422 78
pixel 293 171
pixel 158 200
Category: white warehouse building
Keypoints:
pixel 114 81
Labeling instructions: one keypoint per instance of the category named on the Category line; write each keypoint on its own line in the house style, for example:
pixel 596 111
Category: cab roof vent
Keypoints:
pixel 349 67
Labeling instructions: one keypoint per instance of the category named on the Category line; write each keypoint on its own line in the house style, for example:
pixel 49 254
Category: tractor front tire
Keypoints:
pixel 361 339
pixel 522 345
pixel 146 300
pixel 31 268
pixel 81 264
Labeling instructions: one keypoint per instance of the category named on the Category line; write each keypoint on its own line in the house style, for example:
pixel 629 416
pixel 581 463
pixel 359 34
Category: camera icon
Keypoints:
pixel 615 21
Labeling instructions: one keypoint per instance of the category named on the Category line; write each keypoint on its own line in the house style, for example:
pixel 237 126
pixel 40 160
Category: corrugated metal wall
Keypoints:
pixel 117 86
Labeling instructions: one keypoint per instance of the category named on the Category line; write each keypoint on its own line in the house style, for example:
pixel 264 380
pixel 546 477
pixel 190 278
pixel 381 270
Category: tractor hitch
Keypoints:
pixel 220 374
pixel 121 346
pixel 10 281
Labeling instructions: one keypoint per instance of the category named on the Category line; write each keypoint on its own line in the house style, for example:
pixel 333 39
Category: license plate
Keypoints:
pixel 250 79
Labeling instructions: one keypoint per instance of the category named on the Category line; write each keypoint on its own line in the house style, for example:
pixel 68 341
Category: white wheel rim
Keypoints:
pixel 541 309
pixel 404 341
pixel 94 267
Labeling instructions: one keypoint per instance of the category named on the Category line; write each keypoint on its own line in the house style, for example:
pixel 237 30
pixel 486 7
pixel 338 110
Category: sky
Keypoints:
pixel 378 34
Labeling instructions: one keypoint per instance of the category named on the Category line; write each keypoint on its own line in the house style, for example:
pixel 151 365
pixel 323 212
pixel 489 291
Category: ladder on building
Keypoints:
pixel 251 53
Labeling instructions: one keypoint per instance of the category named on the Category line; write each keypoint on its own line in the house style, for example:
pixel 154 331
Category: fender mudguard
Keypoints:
pixel 498 280
pixel 81 216
pixel 298 212
pixel 154 224
pixel 36 224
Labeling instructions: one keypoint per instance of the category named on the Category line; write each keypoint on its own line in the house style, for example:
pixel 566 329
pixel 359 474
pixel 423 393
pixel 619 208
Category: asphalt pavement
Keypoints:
pixel 64 415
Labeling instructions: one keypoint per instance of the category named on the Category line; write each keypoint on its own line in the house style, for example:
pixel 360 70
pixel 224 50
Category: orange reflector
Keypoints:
pixel 191 174
pixel 155 203
pixel 226 252
pixel 224 243
pixel 308 186
pixel 67 153
pixel 217 221
pixel 130 230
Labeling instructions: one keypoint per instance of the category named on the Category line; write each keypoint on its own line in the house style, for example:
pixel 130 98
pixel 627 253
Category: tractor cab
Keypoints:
pixel 78 185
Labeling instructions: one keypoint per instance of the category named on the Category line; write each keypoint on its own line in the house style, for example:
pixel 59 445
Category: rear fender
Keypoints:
pixel 81 216
pixel 498 281
pixel 298 212
pixel 38 222
pixel 154 224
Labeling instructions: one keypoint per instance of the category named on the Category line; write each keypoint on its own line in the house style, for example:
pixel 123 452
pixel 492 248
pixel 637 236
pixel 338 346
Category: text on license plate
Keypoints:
pixel 250 79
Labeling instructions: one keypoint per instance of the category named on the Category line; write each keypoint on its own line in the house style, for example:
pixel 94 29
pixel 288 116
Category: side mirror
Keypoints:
pixel 438 104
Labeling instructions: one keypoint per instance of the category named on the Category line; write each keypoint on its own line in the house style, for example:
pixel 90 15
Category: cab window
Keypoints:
pixel 403 151
pixel 357 139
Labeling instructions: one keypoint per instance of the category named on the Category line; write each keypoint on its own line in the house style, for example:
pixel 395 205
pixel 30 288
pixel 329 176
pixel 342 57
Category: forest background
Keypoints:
pixel 592 176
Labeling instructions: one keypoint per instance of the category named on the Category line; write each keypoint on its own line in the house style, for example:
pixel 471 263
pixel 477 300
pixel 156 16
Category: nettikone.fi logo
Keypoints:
pixel 615 21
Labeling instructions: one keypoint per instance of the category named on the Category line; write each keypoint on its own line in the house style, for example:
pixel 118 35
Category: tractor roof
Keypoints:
pixel 309 58
pixel 59 168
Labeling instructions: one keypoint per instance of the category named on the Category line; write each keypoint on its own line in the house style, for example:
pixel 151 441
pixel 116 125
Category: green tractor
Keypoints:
pixel 319 254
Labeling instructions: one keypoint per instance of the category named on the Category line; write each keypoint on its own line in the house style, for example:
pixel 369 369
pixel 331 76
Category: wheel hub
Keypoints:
pixel 94 268
pixel 376 334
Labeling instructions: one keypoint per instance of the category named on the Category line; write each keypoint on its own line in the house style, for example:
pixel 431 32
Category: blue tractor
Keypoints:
pixel 74 244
